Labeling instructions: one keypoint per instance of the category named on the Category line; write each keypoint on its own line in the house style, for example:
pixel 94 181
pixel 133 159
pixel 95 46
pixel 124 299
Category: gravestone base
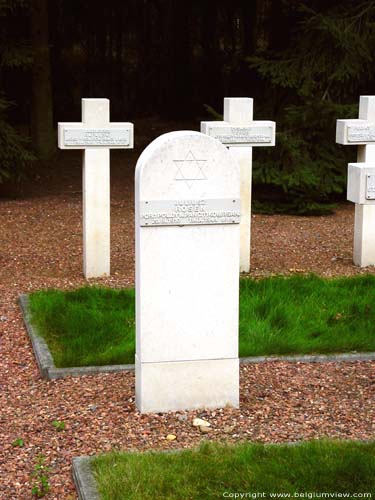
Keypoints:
pixel 364 235
pixel 186 385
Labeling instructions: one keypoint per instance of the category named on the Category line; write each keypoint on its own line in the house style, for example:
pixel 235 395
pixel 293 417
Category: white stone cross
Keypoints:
pixel 361 132
pixel 240 134
pixel 96 135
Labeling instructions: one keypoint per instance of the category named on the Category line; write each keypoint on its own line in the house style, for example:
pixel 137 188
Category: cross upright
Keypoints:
pixel 361 132
pixel 96 135
pixel 240 133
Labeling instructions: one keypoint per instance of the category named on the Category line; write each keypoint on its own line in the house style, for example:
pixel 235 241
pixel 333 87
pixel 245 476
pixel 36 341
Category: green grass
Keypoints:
pixel 89 326
pixel 293 315
pixel 215 469
pixel 307 315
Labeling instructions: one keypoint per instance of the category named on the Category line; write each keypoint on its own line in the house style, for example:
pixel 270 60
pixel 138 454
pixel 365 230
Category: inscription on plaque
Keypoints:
pixel 96 137
pixel 370 187
pixel 361 133
pixel 189 212
pixel 242 135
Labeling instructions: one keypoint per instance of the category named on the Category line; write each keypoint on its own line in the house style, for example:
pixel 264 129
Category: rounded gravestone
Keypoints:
pixel 187 190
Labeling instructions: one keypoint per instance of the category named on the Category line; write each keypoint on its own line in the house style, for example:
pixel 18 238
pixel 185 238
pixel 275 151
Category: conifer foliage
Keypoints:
pixel 317 78
pixel 304 63
pixel 15 54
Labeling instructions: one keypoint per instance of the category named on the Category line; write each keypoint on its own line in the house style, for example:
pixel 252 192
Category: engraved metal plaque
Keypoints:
pixel 96 137
pixel 370 187
pixel 242 134
pixel 361 133
pixel 189 212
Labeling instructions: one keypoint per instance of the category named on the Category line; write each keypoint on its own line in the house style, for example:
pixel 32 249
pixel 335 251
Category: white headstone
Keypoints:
pixel 240 134
pixel 187 189
pixel 361 132
pixel 96 136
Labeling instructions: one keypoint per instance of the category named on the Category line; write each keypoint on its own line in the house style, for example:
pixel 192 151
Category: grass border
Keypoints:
pixel 44 359
pixel 49 371
pixel 86 484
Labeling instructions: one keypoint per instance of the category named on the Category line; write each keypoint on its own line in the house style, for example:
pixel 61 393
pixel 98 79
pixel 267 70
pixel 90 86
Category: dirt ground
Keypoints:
pixel 41 247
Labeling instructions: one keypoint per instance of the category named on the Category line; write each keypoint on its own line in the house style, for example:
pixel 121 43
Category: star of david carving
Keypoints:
pixel 190 170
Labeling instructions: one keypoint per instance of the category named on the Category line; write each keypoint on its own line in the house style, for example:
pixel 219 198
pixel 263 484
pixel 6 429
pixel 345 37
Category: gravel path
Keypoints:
pixel 40 246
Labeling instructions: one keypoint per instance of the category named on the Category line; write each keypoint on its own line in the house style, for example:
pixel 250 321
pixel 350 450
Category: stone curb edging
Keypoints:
pixel 313 358
pixel 84 478
pixel 42 353
pixel 49 371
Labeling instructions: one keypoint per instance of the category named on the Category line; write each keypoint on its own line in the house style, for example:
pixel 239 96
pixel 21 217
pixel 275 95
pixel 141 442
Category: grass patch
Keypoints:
pixel 302 315
pixel 86 327
pixel 211 470
pixel 279 315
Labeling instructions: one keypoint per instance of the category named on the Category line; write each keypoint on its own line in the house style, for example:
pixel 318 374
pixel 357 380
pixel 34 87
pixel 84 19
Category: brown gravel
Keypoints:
pixel 40 246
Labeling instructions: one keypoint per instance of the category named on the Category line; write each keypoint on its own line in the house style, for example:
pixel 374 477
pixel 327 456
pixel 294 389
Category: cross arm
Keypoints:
pixel 253 133
pixel 81 136
pixel 361 183
pixel 355 132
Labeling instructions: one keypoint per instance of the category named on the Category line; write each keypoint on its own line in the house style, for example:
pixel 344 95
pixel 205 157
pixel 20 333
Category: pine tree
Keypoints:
pixel 317 79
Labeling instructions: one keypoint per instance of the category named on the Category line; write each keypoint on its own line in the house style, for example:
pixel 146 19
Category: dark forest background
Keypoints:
pixel 304 63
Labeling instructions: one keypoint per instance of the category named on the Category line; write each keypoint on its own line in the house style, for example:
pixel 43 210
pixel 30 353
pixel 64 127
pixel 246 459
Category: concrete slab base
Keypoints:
pixel 187 385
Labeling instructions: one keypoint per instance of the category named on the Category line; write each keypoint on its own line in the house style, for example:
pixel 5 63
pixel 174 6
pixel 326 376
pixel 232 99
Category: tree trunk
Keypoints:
pixel 262 31
pixel 212 61
pixel 42 130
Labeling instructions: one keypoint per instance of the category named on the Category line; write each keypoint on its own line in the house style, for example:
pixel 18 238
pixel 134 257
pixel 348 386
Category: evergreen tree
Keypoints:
pixel 315 80
pixel 15 154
